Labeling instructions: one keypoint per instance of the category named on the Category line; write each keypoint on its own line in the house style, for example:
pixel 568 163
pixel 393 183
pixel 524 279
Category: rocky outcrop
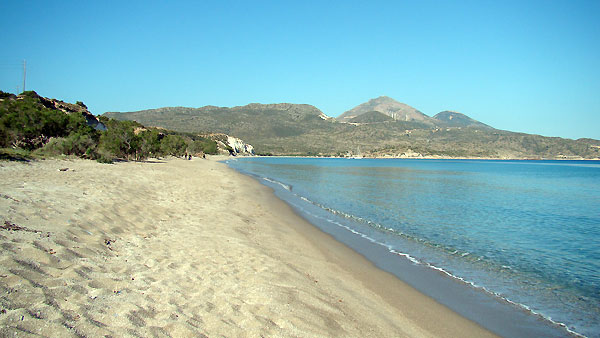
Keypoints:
pixel 240 147
pixel 67 108
pixel 229 145
pixel 410 154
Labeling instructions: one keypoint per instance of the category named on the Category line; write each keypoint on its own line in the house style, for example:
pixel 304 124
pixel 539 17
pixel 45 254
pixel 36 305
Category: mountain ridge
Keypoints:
pixel 302 129
pixel 404 112
pixel 388 106
pixel 456 119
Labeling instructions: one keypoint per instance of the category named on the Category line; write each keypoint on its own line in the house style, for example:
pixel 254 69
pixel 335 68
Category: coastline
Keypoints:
pixel 186 248
pixel 491 310
pixel 442 158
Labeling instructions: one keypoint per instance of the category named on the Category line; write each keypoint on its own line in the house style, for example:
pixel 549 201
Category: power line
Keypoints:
pixel 24 73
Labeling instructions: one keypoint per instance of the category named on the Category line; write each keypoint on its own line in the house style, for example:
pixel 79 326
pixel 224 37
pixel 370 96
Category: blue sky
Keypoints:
pixel 529 66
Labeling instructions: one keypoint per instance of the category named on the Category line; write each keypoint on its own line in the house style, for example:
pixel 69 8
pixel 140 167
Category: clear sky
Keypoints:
pixel 529 66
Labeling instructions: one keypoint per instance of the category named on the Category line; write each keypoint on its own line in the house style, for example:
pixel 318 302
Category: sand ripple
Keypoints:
pixel 174 249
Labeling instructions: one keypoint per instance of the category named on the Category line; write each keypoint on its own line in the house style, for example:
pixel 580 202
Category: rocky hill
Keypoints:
pixel 32 126
pixel 55 104
pixel 456 119
pixel 388 106
pixel 371 117
pixel 278 128
pixel 380 127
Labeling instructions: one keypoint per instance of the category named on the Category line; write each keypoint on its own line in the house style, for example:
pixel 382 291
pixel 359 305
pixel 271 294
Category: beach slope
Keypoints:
pixel 185 249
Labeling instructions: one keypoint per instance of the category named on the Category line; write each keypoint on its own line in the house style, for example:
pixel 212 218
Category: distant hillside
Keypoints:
pixel 32 126
pixel 271 125
pixel 380 127
pixel 371 117
pixel 456 119
pixel 388 106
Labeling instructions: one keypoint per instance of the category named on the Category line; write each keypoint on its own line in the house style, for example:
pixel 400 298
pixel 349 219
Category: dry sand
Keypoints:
pixel 185 249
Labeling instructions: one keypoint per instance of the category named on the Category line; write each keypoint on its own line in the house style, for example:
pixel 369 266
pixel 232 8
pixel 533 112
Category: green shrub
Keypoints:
pixel 27 124
pixel 5 95
pixel 210 147
pixel 30 94
pixel 149 144
pixel 15 154
pixel 173 145
pixel 203 145
pixel 103 159
pixel 78 144
pixel 119 140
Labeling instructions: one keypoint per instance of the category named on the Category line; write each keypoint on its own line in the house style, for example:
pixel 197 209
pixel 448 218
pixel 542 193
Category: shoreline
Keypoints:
pixel 186 248
pixel 435 158
pixel 386 285
pixel 473 302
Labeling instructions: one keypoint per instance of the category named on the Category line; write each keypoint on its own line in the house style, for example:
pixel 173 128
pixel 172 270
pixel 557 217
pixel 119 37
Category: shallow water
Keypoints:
pixel 524 231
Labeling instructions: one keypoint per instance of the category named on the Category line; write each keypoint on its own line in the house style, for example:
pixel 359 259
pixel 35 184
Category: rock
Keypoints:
pixel 410 154
pixel 239 147
pixel 229 145
pixel 69 108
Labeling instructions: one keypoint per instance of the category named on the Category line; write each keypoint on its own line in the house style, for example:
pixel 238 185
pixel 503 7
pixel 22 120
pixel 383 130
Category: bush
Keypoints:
pixel 104 159
pixel 78 144
pixel 149 144
pixel 203 145
pixel 173 145
pixel 30 94
pixel 119 140
pixel 15 154
pixel 54 147
pixel 5 95
pixel 210 147
pixel 29 125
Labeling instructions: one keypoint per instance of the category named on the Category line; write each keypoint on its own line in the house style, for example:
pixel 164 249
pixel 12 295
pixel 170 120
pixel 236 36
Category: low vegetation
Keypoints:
pixel 29 130
pixel 300 130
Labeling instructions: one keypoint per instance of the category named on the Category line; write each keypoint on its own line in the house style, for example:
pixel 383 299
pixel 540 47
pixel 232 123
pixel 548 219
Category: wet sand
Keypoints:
pixel 185 249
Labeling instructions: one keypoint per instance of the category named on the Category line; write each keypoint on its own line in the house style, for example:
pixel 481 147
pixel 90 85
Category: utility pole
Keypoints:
pixel 24 73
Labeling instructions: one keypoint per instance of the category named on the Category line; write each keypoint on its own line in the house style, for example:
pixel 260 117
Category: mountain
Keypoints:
pixel 456 119
pixel 371 117
pixel 388 106
pixel 271 125
pixel 380 127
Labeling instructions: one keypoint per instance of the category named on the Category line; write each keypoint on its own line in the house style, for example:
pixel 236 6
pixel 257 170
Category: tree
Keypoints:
pixel 120 140
pixel 203 145
pixel 149 143
pixel 27 124
pixel 173 145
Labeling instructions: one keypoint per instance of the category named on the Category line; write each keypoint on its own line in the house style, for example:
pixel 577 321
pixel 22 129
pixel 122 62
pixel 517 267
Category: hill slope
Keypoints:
pixel 270 125
pixel 388 106
pixel 371 117
pixel 456 119
pixel 291 129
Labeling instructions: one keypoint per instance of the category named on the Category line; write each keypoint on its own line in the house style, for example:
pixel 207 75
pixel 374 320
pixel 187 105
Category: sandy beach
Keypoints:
pixel 176 248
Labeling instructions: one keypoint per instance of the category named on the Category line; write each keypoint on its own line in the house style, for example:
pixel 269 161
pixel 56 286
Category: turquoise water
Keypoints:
pixel 524 231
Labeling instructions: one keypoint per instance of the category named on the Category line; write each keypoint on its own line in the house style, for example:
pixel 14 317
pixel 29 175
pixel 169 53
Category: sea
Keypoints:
pixel 512 245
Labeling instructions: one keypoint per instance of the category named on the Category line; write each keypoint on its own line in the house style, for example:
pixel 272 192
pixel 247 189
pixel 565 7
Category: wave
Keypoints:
pixel 407 256
pixel 283 185
pixel 424 263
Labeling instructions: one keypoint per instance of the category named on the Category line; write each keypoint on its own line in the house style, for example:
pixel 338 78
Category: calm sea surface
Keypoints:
pixel 525 231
